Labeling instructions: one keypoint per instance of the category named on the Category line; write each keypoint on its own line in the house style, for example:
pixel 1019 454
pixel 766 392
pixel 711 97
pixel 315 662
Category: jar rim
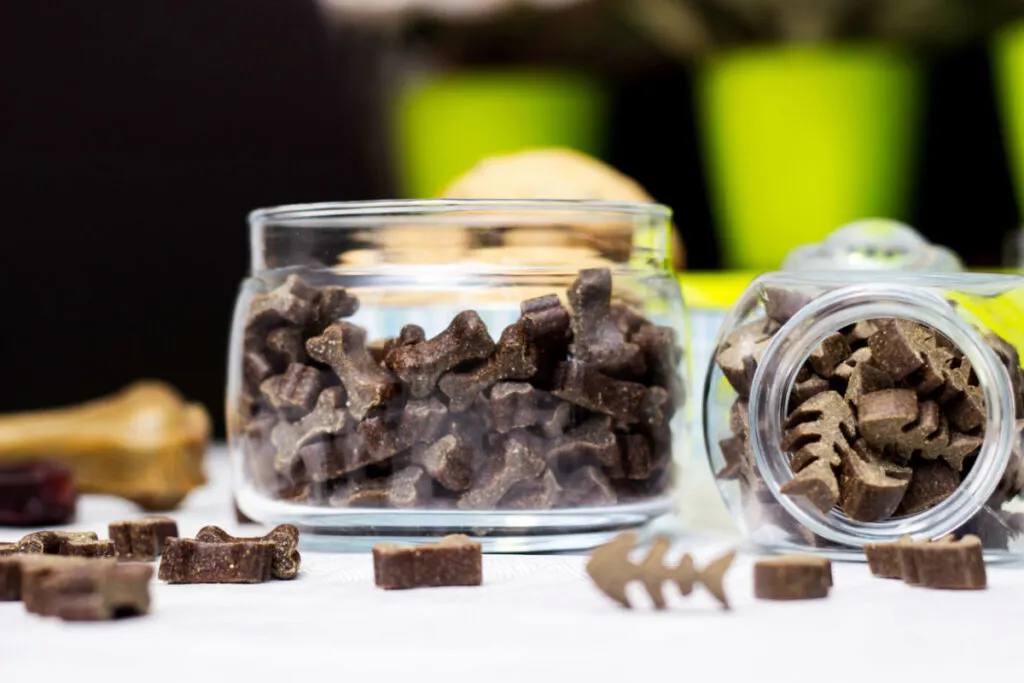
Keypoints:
pixel 398 207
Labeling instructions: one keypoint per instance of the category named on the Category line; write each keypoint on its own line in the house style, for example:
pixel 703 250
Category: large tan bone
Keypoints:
pixel 144 443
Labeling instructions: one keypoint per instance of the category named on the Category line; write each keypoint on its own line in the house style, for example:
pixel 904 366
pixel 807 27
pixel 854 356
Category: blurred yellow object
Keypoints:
pixel 559 173
pixel 143 443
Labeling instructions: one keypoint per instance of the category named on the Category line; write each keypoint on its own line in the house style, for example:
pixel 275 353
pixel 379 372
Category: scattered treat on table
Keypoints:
pixel 792 577
pixel 611 570
pixel 37 493
pixel 455 560
pixel 144 444
pixel 944 563
pixel 571 406
pixel 92 591
pixel 53 542
pixel 10 578
pixel 885 421
pixel 88 548
pixel 32 571
pixel 187 560
pixel 142 540
pixel 285 538
pixel 7 549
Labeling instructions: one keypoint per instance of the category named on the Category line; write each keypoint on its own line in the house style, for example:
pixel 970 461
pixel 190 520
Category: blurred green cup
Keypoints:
pixel 449 122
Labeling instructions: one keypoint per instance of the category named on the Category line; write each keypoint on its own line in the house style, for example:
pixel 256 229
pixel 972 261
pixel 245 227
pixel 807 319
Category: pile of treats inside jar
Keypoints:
pixel 885 419
pixel 567 408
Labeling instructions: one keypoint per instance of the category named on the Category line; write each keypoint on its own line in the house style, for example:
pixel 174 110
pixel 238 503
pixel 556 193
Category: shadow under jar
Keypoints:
pixel 843 409
pixel 403 370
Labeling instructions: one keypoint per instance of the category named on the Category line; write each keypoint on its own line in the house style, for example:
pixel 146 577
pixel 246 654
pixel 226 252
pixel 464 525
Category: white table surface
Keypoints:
pixel 537 618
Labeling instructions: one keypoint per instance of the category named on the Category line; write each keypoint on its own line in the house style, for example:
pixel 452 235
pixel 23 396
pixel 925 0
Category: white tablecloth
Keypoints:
pixel 537 618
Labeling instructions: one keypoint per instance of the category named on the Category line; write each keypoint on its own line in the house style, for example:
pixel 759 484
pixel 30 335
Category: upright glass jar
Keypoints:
pixel 508 370
pixel 848 408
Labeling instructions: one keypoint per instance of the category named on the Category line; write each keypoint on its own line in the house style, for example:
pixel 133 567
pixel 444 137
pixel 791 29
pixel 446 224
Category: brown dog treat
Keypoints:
pixel 662 355
pixel 285 538
pixel 597 339
pixel 294 393
pixel 292 303
pixel 35 569
pixel 857 335
pixel 891 468
pixel 586 487
pixel 739 417
pixel 832 351
pixel 781 304
pixel 453 561
pixel 740 353
pixel 931 483
pixel 927 436
pixel 328 417
pixel 895 347
pixel 866 379
pixel 882 415
pixel 549 323
pixel 187 560
pixel 844 370
pixel 808 388
pixel 94 592
pixel 407 336
pixel 906 550
pixel 513 405
pixel 330 305
pixel 342 346
pixel 255 369
pixel 955 565
pixel 868 493
pixel 820 428
pixel 884 558
pixel 83 548
pixel 285 346
pixel 967 413
pixel 1010 358
pixel 817 483
pixel 421 365
pixel 584 386
pixel 591 442
pixel 543 493
pixel 8 549
pixel 52 542
pixel 792 577
pixel 734 453
pixel 514 463
pixel 514 357
pixel 448 461
pixel 407 488
pixel 142 540
pixel 612 571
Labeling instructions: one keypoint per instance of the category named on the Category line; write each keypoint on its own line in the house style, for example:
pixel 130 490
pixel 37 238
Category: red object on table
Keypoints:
pixel 36 493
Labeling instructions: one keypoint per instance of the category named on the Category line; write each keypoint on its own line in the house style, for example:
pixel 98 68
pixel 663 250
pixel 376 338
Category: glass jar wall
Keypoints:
pixel 507 370
pixel 848 408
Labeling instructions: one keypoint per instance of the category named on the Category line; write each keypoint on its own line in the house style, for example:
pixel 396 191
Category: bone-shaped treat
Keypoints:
pixel 291 302
pixel 931 483
pixel 515 357
pixel 514 463
pixel 549 324
pixel 186 560
pixel 448 461
pixel 286 346
pixel 144 443
pixel 832 351
pixel 588 486
pixel 597 339
pixel 409 488
pixel 543 493
pixel 330 305
pixel 421 421
pixel 52 542
pixel 342 346
pixel 515 405
pixel 612 571
pixel 944 563
pixel 285 537
pixel 588 388
pixel 420 365
pixel 294 393
pixel 409 335
pixel 662 355
pixel 590 442
pixel 328 417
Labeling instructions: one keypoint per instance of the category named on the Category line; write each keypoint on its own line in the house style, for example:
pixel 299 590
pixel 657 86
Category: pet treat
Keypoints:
pixel 93 591
pixel 953 565
pixel 52 542
pixel 457 420
pixel 187 560
pixel 36 494
pixel 88 548
pixel 285 538
pixel 142 540
pixel 453 561
pixel 611 570
pixel 792 577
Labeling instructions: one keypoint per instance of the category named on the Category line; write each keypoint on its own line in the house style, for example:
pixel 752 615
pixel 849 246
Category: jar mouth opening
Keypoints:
pixel 336 214
pixel 776 376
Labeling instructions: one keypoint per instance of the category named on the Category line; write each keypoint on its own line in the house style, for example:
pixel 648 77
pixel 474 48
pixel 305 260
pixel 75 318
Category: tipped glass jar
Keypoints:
pixel 506 370
pixel 850 408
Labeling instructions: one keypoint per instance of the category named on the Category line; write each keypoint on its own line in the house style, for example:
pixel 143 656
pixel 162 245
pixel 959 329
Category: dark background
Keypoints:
pixel 135 136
